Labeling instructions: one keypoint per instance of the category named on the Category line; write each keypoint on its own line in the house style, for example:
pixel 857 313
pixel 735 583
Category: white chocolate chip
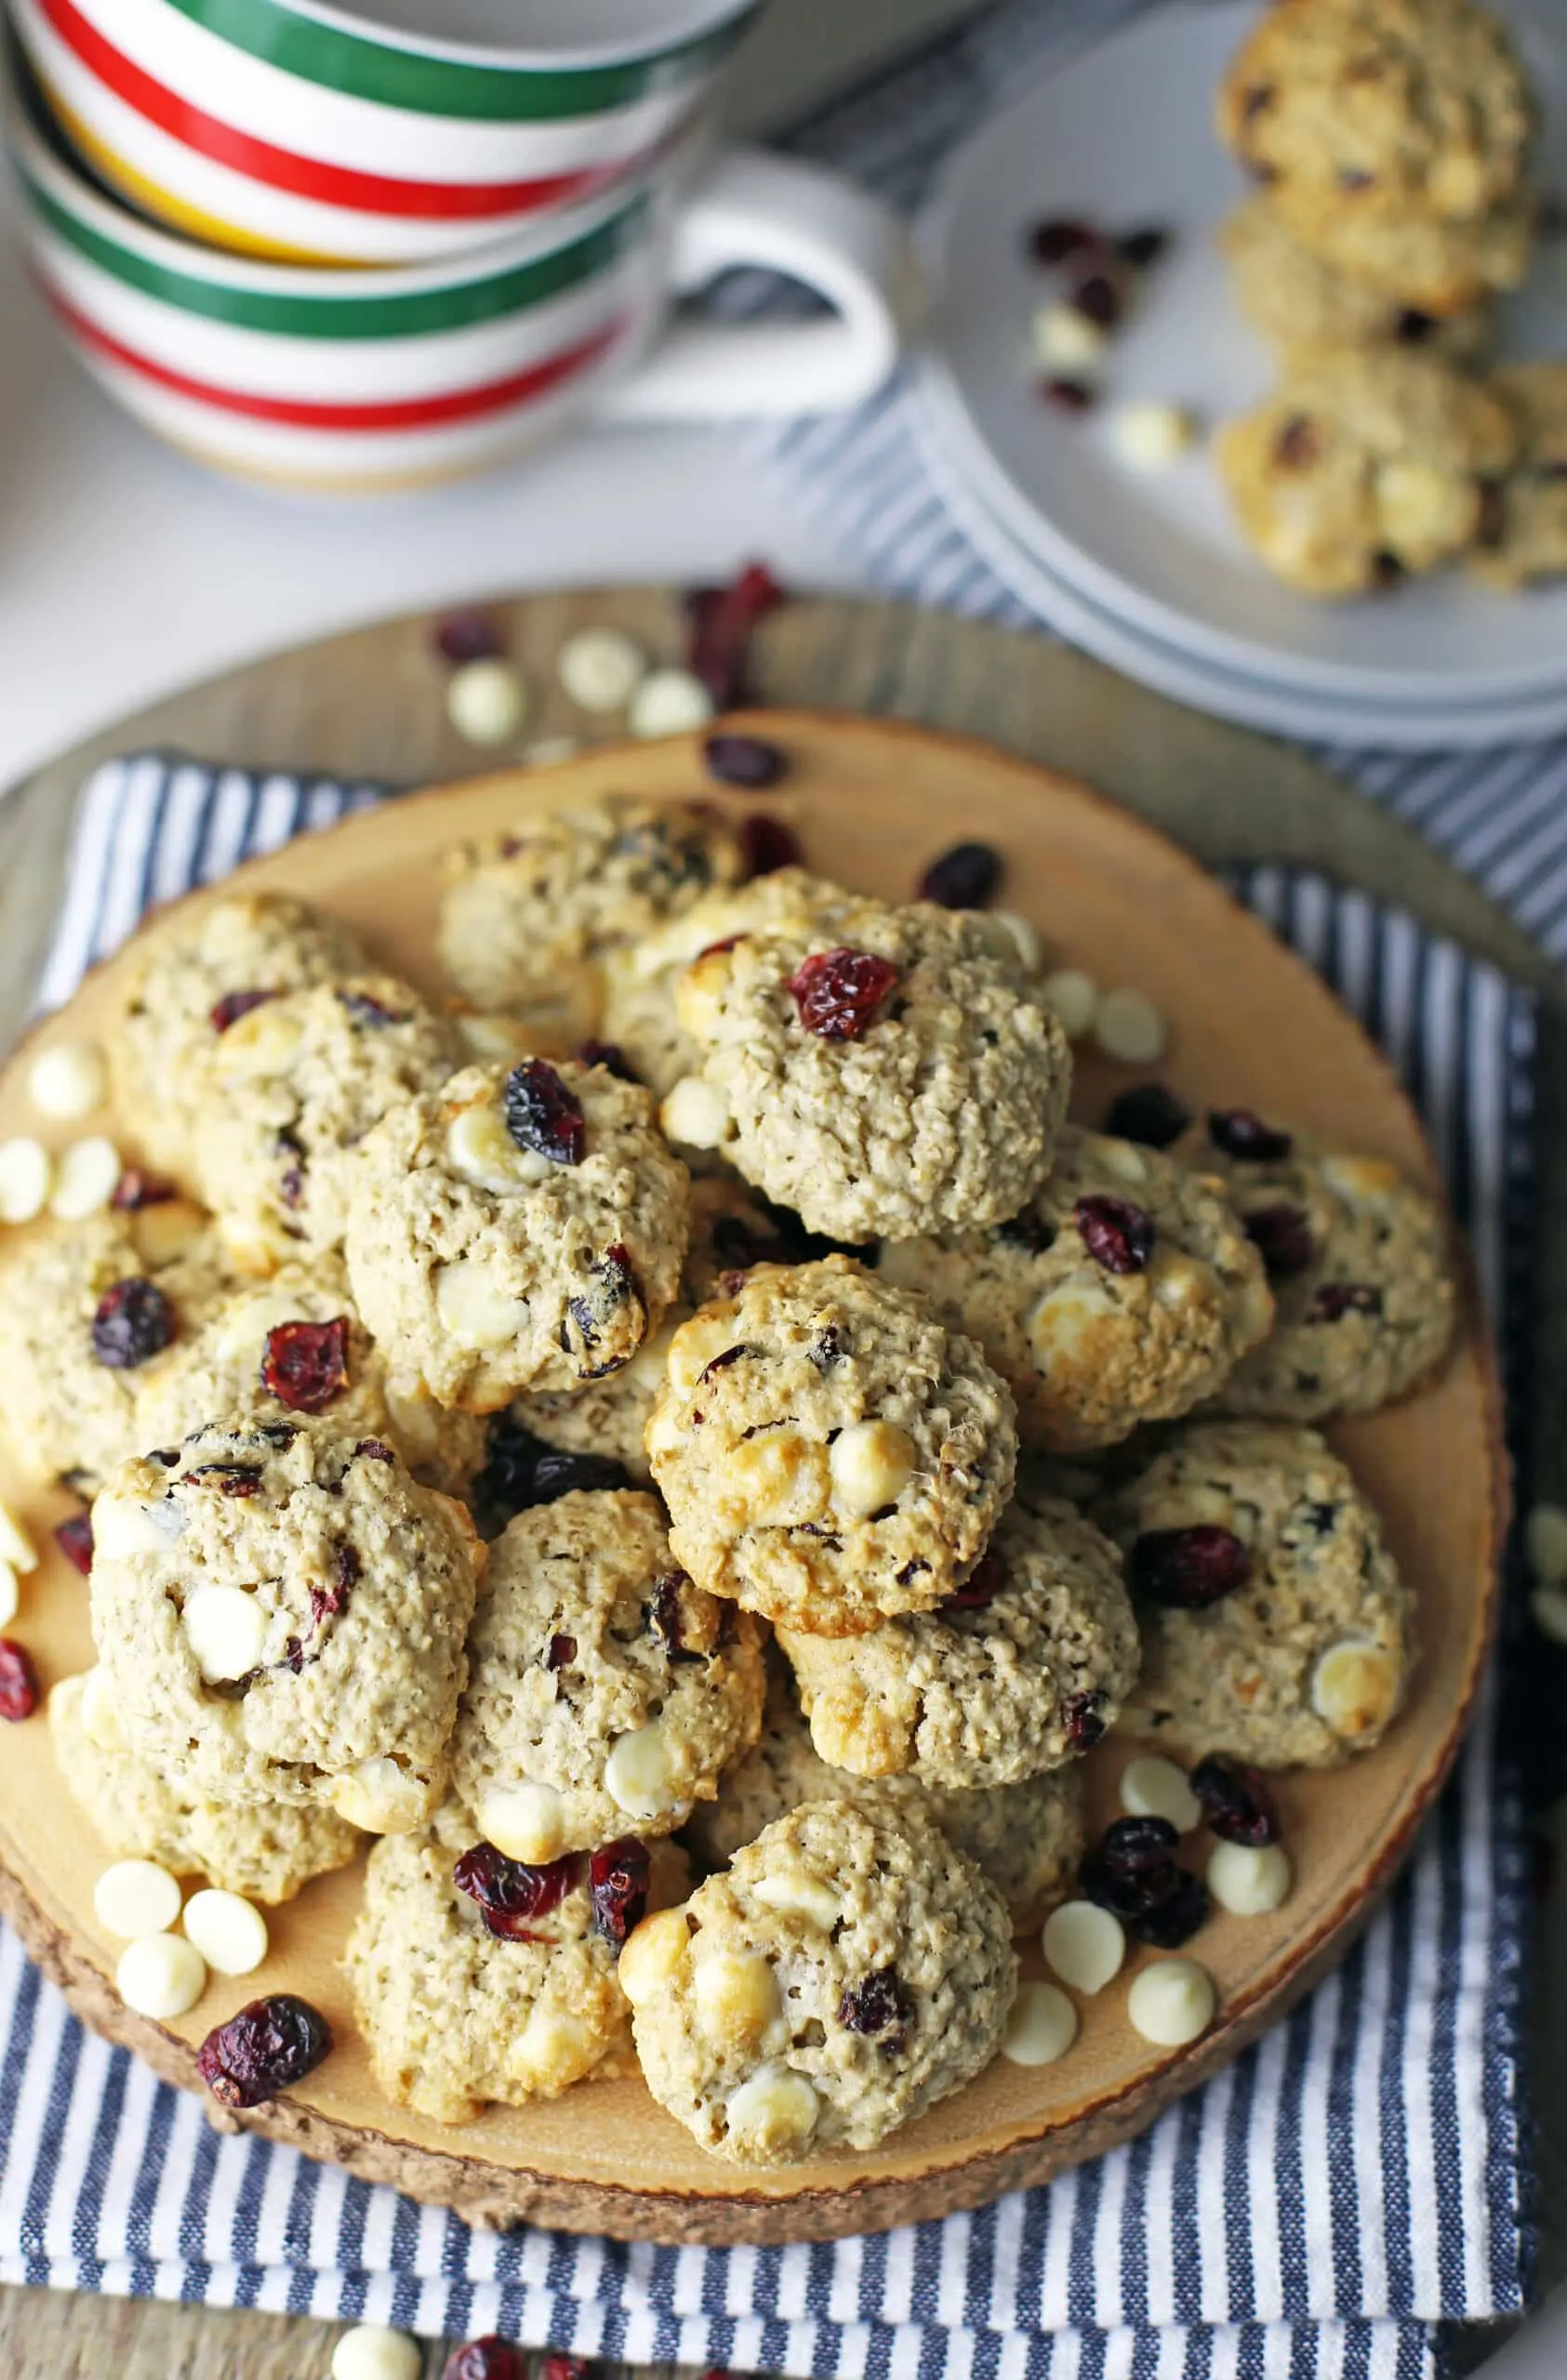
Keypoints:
pixel 1152 435
pixel 1178 1281
pixel 1548 1610
pixel 870 1463
pixel 486 702
pixel 1122 1159
pixel 1085 1945
pixel 245 1332
pixel 67 1080
pixel 494 1040
pixel 1152 1787
pixel 11 1595
pixel 1031 949
pixel 1414 498
pixel 1066 1318
pixel 601 669
pixel 367 2352
pixel 479 1147
pixel 669 702
pixel 1368 1182
pixel 1075 997
pixel 656 1954
pixel 1544 1543
pixel 136 1897
pixel 773 2111
pixel 1129 1028
pixel 84 1178
pixel 16 1546
pixel 383 1798
pixel 1250 1882
pixel 122 1525
pixel 475 1309
pixel 736 1995
pixel 637 1776
pixel 1354 1686
pixel 1042 2025
pixel 161 1975
pixel 264 1041
pixel 696 1114
pixel 101 1710
pixel 26 1171
pixel 229 1931
pixel 554 2049
pixel 802 1895
pixel 1172 2003
pixel 526 1823
pixel 226 1630
pixel 549 751
pixel 1065 340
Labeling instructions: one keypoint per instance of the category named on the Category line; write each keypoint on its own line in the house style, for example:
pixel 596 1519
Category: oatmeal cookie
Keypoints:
pixel 1359 1266
pixel 517 1231
pixel 530 914
pixel 1523 533
pixel 457 2015
pixel 1275 1625
pixel 1423 261
pixel 290 1091
pixel 1027 1838
pixel 908 1079
pixel 604 1690
pixel 93 1313
pixel 847 1970
pixel 281 1612
pixel 1297 299
pixel 266 1850
pixel 1380 106
pixel 1124 1292
pixel 1364 464
pixel 1024 1668
pixel 198 977
pixel 830 1456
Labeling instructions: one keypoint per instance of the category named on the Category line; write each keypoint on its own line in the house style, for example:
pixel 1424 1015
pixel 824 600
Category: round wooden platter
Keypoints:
pixel 1250 1024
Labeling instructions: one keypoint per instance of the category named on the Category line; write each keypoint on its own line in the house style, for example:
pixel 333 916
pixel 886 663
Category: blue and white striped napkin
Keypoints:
pixel 1309 2215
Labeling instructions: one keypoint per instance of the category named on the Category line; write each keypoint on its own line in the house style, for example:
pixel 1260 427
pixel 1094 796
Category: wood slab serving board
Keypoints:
pixel 872 803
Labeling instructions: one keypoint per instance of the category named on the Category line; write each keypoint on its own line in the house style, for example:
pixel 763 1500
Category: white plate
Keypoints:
pixel 1122 134
pixel 1205 685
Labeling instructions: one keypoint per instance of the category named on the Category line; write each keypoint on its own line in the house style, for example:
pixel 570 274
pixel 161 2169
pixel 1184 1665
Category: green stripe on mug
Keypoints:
pixel 368 69
pixel 342 314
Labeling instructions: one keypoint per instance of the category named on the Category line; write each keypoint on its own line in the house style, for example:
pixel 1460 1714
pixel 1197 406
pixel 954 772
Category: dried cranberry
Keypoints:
pixel 291 1180
pixel 1175 1916
pixel 305 1363
pixel 1139 1847
pixel 1186 1569
pixel 512 1895
pixel 1255 101
pixel 663 1612
pixel 981 1587
pixel 611 1285
pixel 1143 247
pixel 1099 299
pixel 542 1114
pixel 1296 445
pixel 721 622
pixel 838 992
pixel 362 1008
pixel 878 2004
pixel 267 2048
pixel 1124 1896
pixel 1148 1114
pixel 1067 395
pixel 562 1652
pixel 1058 237
pixel 1236 1802
pixel 1412 328
pixel 1029 1230
pixel 373 1450
pixel 133 1323
pixel 229 1478
pixel 1335 1299
pixel 736 1246
pixel 18 1681
pixel 559 2366
pixel 135 1189
pixel 234 1005
pixel 1237 1132
pixel 1492 519
pixel 722 1361
pixel 487 2358
pixel 617 1883
pixel 522 1472
pixel 74 1540
pixel 1354 177
pixel 748 762
pixel 327 1602
pixel 1281 1238
pixel 962 877
pixel 1387 569
pixel 1082 1715
pixel 467 635
pixel 767 844
pixel 827 1348
pixel 1116 1233
pixel 611 1057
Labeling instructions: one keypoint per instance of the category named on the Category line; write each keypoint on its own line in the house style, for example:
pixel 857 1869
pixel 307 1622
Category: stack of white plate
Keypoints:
pixel 1146 569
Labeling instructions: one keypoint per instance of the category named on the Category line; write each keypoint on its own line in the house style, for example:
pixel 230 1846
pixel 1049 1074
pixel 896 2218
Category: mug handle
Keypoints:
pixel 756 209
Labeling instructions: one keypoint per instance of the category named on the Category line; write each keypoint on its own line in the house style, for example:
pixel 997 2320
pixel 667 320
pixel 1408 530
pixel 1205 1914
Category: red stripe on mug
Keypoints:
pixel 342 186
pixel 399 413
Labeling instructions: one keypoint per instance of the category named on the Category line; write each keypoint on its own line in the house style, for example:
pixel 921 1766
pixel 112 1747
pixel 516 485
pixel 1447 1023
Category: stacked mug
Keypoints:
pixel 378 242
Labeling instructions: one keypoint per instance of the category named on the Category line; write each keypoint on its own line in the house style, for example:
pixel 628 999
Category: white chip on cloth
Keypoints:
pixel 1041 2027
pixel 26 1171
pixel 1129 1028
pixel 669 702
pixel 1250 1881
pixel 161 1975
pixel 1085 1945
pixel 136 1897
pixel 84 1178
pixel 1544 1543
pixel 601 669
pixel 1075 997
pixel 229 1931
pixel 486 702
pixel 67 1080
pixel 367 2352
pixel 1152 1787
pixel 16 1546
pixel 1172 2003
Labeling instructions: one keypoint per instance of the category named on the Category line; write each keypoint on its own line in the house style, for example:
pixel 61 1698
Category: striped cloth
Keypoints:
pixel 1348 2183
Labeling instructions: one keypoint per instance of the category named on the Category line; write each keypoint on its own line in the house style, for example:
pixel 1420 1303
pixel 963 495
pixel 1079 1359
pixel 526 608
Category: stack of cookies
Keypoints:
pixel 690 1398
pixel 1389 141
